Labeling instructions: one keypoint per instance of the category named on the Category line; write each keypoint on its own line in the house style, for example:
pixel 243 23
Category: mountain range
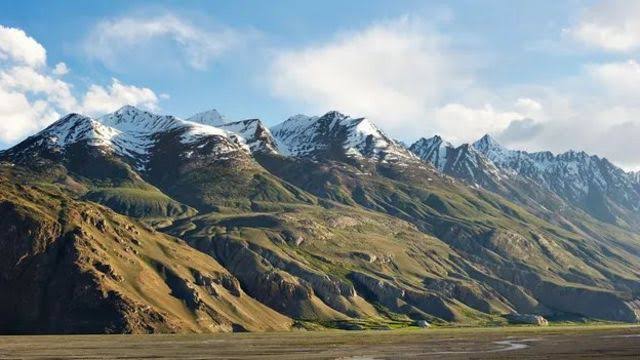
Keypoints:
pixel 135 222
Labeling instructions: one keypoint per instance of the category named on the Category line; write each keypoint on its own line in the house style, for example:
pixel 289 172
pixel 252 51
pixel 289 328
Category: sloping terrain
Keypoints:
pixel 588 182
pixel 322 221
pixel 509 244
pixel 76 267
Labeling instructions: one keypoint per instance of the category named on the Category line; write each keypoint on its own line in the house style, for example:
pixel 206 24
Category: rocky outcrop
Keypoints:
pixel 599 304
pixel 530 319
pixel 408 301
pixel 209 282
pixel 268 284
pixel 332 291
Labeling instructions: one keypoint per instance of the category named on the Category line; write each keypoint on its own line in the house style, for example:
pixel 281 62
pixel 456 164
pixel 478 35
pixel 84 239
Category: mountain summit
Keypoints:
pixel 587 181
pixel 211 117
pixel 337 135
pixel 463 162
pixel 256 135
pixel 129 132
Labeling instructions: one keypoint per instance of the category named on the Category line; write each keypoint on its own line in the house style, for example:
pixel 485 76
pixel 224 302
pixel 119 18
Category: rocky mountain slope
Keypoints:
pixel 128 133
pixel 588 181
pixel 463 162
pixel 256 135
pixel 71 266
pixel 318 222
pixel 337 136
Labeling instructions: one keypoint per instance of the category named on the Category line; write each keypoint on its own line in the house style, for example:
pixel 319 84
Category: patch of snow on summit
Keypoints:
pixel 210 117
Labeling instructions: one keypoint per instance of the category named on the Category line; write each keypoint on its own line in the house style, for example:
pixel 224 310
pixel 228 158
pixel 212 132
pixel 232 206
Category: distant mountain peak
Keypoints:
pixel 463 162
pixel 333 114
pixel 432 150
pixel 128 109
pixel 582 179
pixel 487 142
pixel 436 139
pixel 129 132
pixel 130 119
pixel 127 113
pixel 301 117
pixel 210 117
pixel 312 136
pixel 257 136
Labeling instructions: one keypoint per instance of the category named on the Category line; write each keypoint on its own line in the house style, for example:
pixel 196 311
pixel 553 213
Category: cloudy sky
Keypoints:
pixel 538 75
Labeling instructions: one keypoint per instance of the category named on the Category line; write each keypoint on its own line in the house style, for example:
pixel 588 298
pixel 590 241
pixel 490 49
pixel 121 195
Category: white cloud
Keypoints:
pixel 459 123
pixel 394 72
pixel 18 116
pixel 597 111
pixel 60 69
pixel 32 95
pixel 144 39
pixel 612 25
pixel 528 106
pixel 16 46
pixel 100 100
pixel 410 80
pixel 619 79
pixel 521 130
pixel 30 81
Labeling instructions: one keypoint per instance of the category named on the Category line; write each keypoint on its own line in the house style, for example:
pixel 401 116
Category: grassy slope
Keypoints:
pixel 500 256
pixel 191 174
pixel 376 245
pixel 65 259
pixel 502 238
pixel 323 250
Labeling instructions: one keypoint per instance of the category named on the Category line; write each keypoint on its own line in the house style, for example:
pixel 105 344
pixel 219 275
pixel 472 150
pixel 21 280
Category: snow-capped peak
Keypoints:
pixel 129 132
pixel 433 150
pixel 463 162
pixel 486 143
pixel 335 115
pixel 573 175
pixel 497 153
pixel 435 140
pixel 314 136
pixel 257 136
pixel 128 109
pixel 211 117
pixel 131 119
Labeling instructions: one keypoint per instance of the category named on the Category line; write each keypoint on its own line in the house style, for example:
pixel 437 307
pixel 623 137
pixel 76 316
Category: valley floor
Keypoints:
pixel 561 342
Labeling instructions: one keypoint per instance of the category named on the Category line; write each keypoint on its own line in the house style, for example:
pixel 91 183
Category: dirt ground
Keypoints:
pixel 585 342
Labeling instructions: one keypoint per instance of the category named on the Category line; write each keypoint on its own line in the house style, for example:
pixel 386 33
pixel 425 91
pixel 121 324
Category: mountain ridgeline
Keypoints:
pixel 136 222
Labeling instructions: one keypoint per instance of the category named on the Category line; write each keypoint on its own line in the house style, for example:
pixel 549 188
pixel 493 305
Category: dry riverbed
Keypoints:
pixel 556 342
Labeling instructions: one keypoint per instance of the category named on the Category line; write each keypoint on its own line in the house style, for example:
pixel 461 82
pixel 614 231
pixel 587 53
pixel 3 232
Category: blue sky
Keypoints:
pixel 536 74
